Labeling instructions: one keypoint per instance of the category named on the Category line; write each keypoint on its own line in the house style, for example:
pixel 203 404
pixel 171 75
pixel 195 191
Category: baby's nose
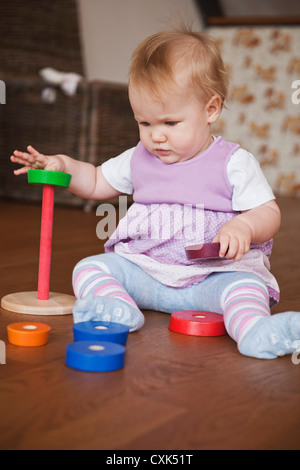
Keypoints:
pixel 158 136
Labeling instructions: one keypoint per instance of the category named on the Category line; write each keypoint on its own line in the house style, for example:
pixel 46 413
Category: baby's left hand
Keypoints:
pixel 234 238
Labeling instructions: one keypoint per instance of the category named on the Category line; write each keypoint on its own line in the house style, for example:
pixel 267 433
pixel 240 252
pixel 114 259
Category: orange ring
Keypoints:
pixel 28 334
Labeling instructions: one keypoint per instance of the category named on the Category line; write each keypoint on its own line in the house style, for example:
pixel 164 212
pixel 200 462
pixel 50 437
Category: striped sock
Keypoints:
pixel 249 322
pixel 101 297
pixel 94 277
pixel 245 303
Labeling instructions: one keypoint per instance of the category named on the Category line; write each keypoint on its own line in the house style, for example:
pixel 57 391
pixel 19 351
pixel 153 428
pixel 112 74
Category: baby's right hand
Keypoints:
pixel 34 160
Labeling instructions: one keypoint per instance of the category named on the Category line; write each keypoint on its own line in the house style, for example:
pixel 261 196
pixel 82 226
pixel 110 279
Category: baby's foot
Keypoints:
pixel 112 309
pixel 272 336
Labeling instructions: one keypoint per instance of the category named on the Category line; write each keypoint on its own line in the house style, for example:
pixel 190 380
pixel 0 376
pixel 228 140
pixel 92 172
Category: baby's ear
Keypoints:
pixel 213 109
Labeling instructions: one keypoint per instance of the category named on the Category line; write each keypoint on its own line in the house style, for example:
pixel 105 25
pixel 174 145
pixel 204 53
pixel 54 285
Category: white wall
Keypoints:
pixel 111 29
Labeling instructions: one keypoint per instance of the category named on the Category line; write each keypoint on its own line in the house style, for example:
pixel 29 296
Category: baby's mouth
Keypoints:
pixel 162 152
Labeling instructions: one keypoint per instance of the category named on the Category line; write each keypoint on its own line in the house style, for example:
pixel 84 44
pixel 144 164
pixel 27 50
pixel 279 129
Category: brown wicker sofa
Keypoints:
pixel 93 125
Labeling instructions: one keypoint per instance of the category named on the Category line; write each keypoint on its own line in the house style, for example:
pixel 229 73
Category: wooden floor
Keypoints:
pixel 176 392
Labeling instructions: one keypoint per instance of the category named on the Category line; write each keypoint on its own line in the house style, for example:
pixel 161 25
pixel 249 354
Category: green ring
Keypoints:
pixel 56 178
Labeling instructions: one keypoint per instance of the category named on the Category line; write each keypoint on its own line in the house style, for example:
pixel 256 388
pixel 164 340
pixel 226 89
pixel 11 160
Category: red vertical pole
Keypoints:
pixel 46 242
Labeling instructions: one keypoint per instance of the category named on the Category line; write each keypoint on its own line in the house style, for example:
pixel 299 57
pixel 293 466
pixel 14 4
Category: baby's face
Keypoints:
pixel 175 127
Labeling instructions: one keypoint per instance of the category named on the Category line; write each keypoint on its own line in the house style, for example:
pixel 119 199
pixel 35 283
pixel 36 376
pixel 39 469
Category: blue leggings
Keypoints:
pixel 150 294
pixel 111 288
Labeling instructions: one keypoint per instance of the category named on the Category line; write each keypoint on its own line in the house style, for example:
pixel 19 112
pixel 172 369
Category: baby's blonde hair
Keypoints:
pixel 155 60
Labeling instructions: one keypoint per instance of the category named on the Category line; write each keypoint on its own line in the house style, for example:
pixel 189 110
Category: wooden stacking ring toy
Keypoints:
pixel 197 323
pixel 95 356
pixel 43 302
pixel 202 252
pixel 28 334
pixel 101 331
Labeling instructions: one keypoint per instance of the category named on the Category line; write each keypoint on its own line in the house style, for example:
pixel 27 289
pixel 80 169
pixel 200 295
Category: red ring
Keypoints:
pixel 197 323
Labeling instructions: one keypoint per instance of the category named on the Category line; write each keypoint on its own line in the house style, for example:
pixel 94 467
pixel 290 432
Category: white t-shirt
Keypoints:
pixel 250 187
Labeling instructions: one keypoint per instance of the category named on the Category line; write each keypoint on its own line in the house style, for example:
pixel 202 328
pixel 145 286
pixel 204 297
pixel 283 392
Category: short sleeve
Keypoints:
pixel 117 172
pixel 250 186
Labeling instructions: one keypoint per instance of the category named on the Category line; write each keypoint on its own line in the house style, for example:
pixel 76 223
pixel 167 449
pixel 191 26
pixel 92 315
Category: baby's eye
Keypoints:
pixel 171 123
pixel 144 123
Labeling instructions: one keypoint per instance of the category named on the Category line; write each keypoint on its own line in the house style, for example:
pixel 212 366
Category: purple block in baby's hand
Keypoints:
pixel 204 251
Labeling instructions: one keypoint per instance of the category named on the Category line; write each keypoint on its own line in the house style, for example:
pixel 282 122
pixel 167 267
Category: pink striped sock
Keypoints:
pixel 93 278
pixel 245 303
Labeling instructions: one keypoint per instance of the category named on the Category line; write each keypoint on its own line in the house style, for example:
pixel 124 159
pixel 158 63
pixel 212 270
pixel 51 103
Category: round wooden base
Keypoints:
pixel 28 303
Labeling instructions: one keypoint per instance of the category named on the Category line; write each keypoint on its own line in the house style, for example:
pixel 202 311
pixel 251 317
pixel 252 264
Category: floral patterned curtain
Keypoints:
pixel 263 110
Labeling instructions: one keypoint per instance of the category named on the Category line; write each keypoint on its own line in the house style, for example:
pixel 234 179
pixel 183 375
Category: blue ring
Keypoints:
pixel 85 356
pixel 108 331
